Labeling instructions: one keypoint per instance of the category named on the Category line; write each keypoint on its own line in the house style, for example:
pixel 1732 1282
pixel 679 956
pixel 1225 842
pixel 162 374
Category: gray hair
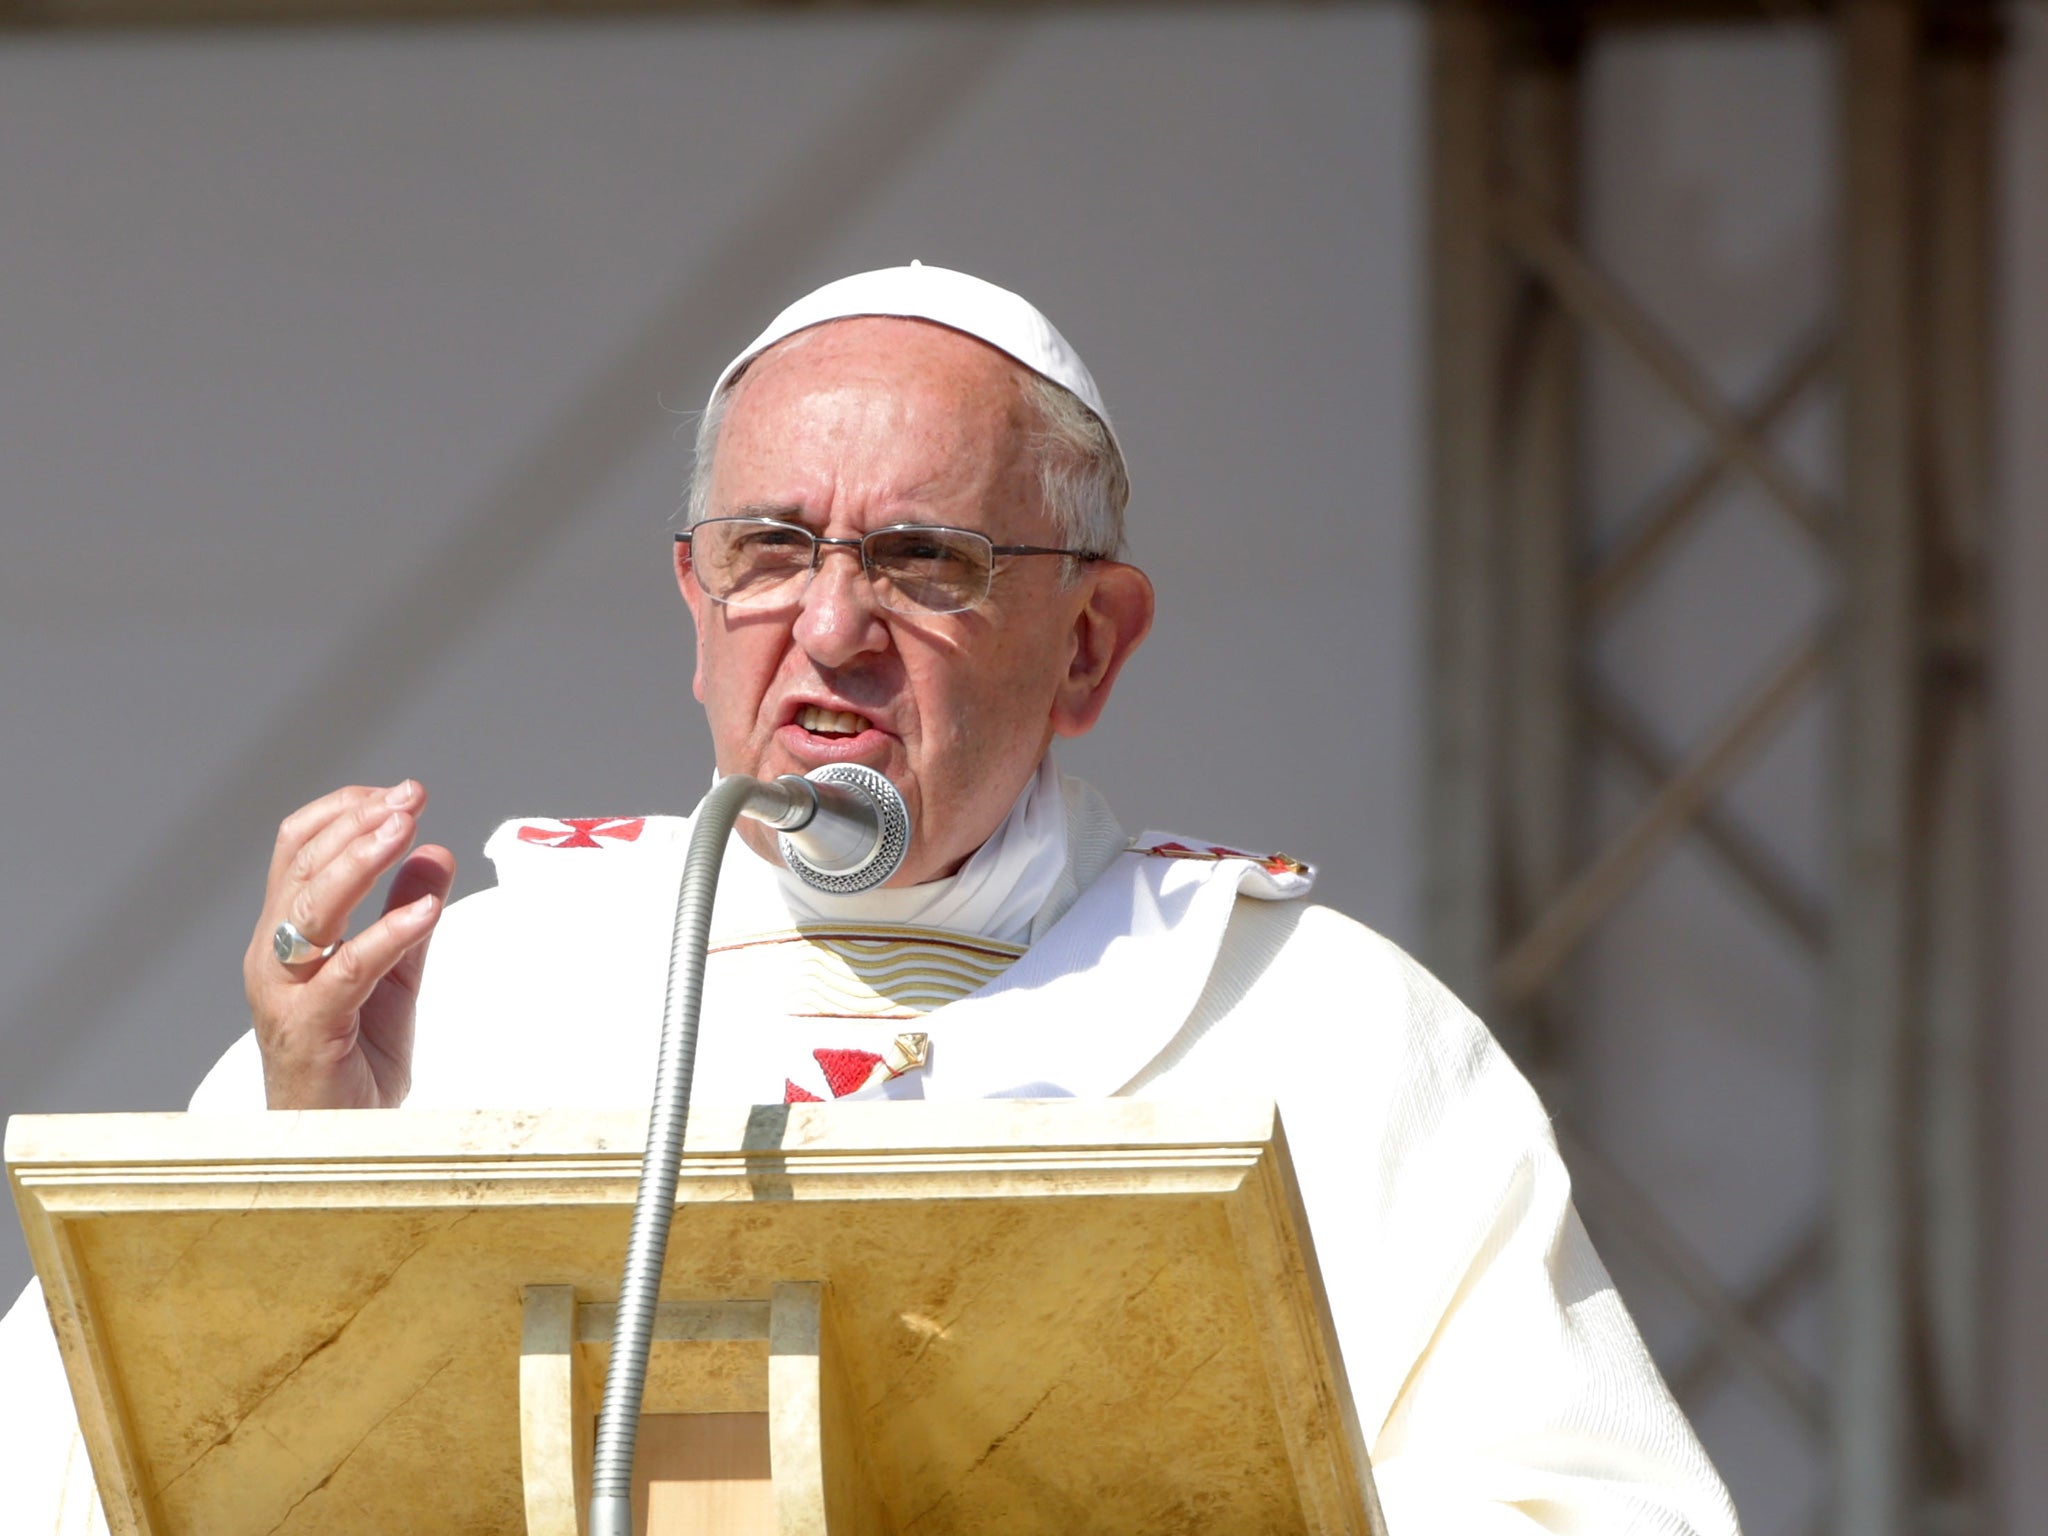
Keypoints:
pixel 1082 483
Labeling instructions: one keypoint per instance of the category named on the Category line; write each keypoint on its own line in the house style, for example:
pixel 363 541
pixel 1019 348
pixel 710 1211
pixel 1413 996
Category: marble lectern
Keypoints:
pixel 1001 1317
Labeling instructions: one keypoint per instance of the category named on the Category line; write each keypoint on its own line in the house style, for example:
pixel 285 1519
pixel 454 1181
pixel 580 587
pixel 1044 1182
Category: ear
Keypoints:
pixel 693 595
pixel 1113 619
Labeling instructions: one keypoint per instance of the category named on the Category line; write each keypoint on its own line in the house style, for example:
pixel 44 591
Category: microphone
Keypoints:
pixel 845 828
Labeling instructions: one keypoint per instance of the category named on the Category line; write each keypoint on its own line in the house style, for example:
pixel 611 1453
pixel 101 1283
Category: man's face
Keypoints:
pixel 857 425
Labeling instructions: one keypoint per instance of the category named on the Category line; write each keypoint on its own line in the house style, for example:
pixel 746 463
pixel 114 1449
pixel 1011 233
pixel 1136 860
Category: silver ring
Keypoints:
pixel 294 948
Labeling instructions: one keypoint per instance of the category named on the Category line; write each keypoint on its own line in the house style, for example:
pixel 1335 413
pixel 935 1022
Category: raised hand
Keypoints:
pixel 336 1029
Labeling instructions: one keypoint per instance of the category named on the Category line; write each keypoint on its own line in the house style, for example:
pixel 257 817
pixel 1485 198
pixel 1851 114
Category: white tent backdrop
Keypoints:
pixel 345 387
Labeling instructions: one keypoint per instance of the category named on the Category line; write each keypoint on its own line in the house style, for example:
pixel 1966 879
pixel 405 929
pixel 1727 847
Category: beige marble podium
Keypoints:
pixel 994 1317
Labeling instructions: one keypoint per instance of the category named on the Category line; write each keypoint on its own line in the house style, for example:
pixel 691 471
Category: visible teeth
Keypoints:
pixel 831 722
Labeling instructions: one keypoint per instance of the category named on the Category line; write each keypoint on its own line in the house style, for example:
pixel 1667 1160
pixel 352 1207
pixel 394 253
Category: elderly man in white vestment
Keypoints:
pixel 904 551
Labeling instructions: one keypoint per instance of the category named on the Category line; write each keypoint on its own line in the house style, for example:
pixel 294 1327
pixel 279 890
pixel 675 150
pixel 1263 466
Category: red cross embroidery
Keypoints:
pixel 845 1072
pixel 584 831
pixel 849 1071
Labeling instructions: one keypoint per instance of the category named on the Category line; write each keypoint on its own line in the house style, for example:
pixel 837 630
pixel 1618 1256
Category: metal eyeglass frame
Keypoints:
pixel 819 544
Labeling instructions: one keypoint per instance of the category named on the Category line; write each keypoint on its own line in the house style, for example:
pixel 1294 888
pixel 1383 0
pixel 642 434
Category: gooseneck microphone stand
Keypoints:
pixel 848 855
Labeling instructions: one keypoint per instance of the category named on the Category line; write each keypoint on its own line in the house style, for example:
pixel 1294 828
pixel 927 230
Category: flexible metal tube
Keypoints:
pixel 618 1422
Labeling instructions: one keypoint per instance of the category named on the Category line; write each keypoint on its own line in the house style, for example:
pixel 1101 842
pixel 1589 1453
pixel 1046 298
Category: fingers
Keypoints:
pixel 342 1037
pixel 336 870
pixel 346 979
pixel 429 872
pixel 337 1032
pixel 308 821
pixel 331 852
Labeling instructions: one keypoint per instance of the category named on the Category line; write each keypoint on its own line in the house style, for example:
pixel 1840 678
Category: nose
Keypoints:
pixel 839 618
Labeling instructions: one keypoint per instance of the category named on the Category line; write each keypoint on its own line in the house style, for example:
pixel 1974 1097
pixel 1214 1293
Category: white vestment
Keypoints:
pixel 1500 1383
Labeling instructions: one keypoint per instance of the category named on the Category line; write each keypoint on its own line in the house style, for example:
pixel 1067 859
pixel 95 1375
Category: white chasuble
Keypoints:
pixel 812 997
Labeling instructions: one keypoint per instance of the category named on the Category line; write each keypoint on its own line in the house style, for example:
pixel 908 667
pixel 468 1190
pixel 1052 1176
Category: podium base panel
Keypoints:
pixel 746 1423
pixel 695 1472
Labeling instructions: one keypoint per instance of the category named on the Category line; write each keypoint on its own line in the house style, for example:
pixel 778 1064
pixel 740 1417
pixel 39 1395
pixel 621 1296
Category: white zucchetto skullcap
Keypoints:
pixel 952 299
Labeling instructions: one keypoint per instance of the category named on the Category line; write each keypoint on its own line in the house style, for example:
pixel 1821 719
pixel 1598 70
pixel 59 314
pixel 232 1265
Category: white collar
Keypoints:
pixel 995 894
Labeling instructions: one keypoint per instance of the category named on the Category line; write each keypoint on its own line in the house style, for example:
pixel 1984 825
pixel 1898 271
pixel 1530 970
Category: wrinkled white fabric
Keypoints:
pixel 996 893
pixel 1500 1383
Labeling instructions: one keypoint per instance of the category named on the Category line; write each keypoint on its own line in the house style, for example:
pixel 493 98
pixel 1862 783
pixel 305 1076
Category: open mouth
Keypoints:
pixel 832 722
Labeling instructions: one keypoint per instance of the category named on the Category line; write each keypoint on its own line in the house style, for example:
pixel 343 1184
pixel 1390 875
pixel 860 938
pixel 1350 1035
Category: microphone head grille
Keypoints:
pixel 889 850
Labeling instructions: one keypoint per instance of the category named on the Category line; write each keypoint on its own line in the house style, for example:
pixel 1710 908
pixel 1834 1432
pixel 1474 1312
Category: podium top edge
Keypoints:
pixel 716 1131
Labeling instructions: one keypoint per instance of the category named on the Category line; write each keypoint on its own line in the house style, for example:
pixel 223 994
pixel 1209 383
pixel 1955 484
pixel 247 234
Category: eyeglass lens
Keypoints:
pixel 758 562
pixel 750 562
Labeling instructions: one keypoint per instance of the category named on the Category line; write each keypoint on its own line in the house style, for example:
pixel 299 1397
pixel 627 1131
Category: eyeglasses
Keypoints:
pixel 763 562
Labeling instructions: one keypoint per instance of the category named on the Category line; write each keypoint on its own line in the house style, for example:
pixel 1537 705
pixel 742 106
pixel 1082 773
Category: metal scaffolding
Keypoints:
pixel 1521 719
